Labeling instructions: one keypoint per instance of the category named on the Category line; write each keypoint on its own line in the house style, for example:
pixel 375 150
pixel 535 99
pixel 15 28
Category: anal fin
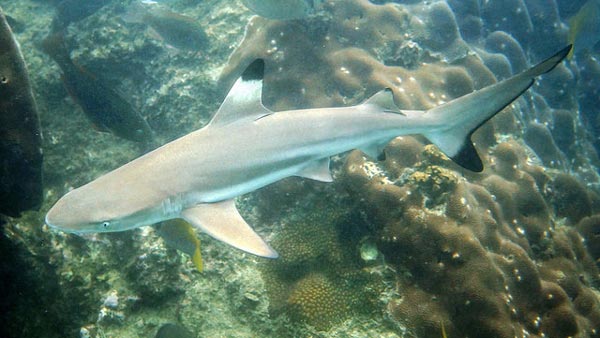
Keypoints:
pixel 375 151
pixel 318 170
pixel 223 221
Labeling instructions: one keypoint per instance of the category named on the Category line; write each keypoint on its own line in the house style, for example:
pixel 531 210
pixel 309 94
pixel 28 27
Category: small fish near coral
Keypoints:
pixel 180 235
pixel 16 25
pixel 283 9
pixel 20 135
pixel 246 146
pixel 176 30
pixel 104 107
pixel 171 330
pixel 71 11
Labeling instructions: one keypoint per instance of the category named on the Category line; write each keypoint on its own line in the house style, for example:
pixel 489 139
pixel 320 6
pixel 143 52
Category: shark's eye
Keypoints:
pixel 105 224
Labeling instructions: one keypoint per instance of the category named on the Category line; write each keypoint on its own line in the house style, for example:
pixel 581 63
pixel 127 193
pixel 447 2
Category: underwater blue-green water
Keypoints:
pixel 374 219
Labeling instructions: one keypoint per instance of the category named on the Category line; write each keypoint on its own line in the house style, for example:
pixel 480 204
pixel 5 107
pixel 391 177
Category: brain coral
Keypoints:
pixel 318 301
pixel 318 279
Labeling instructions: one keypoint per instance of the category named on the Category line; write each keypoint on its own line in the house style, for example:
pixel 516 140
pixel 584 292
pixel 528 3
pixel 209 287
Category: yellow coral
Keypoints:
pixel 317 301
pixel 310 242
pixel 434 155
pixel 434 179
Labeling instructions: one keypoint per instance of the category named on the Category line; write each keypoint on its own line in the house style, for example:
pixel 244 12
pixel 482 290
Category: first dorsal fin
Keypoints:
pixel 244 99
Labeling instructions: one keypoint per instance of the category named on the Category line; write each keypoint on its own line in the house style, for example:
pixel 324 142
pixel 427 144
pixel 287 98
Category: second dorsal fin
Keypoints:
pixel 384 99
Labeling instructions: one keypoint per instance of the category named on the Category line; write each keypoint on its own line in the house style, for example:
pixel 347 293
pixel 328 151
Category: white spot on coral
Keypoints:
pixel 517 274
pixel 368 251
pixel 537 321
pixel 112 300
pixel 371 169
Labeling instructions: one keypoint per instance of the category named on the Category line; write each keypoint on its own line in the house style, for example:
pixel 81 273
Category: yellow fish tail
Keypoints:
pixel 197 258
pixel 570 55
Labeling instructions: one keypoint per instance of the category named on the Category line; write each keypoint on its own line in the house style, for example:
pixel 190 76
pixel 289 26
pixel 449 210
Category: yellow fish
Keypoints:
pixel 180 235
pixel 584 27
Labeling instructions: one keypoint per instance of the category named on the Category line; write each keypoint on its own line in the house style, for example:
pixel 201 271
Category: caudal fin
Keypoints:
pixel 459 118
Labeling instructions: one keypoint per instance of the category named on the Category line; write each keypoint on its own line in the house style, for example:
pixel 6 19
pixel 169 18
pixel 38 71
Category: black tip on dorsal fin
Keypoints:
pixel 244 100
pixel 255 71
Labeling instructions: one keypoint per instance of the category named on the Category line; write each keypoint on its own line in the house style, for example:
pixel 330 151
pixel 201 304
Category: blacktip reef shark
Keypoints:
pixel 246 146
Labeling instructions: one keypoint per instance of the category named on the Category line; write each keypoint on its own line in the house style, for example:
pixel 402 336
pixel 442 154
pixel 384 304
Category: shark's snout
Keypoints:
pixel 54 218
pixel 49 218
pixel 64 214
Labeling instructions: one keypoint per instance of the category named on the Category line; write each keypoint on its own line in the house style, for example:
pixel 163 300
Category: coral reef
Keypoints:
pixel 354 71
pixel 484 255
pixel 400 246
pixel 589 228
pixel 318 279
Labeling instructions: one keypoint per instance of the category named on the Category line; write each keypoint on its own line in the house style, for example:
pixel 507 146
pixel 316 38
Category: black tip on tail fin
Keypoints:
pixel 255 71
pixel 468 158
pixel 459 118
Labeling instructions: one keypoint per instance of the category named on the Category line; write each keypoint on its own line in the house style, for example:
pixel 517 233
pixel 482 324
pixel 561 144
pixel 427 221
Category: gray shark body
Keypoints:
pixel 246 147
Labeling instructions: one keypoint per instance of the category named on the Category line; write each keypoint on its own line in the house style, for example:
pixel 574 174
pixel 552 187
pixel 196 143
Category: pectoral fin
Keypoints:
pixel 222 221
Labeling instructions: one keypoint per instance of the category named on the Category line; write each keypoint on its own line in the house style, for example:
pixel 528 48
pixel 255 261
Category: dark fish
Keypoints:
pixel 170 330
pixel 20 137
pixel 176 30
pixel 70 11
pixel 104 107
pixel 16 26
